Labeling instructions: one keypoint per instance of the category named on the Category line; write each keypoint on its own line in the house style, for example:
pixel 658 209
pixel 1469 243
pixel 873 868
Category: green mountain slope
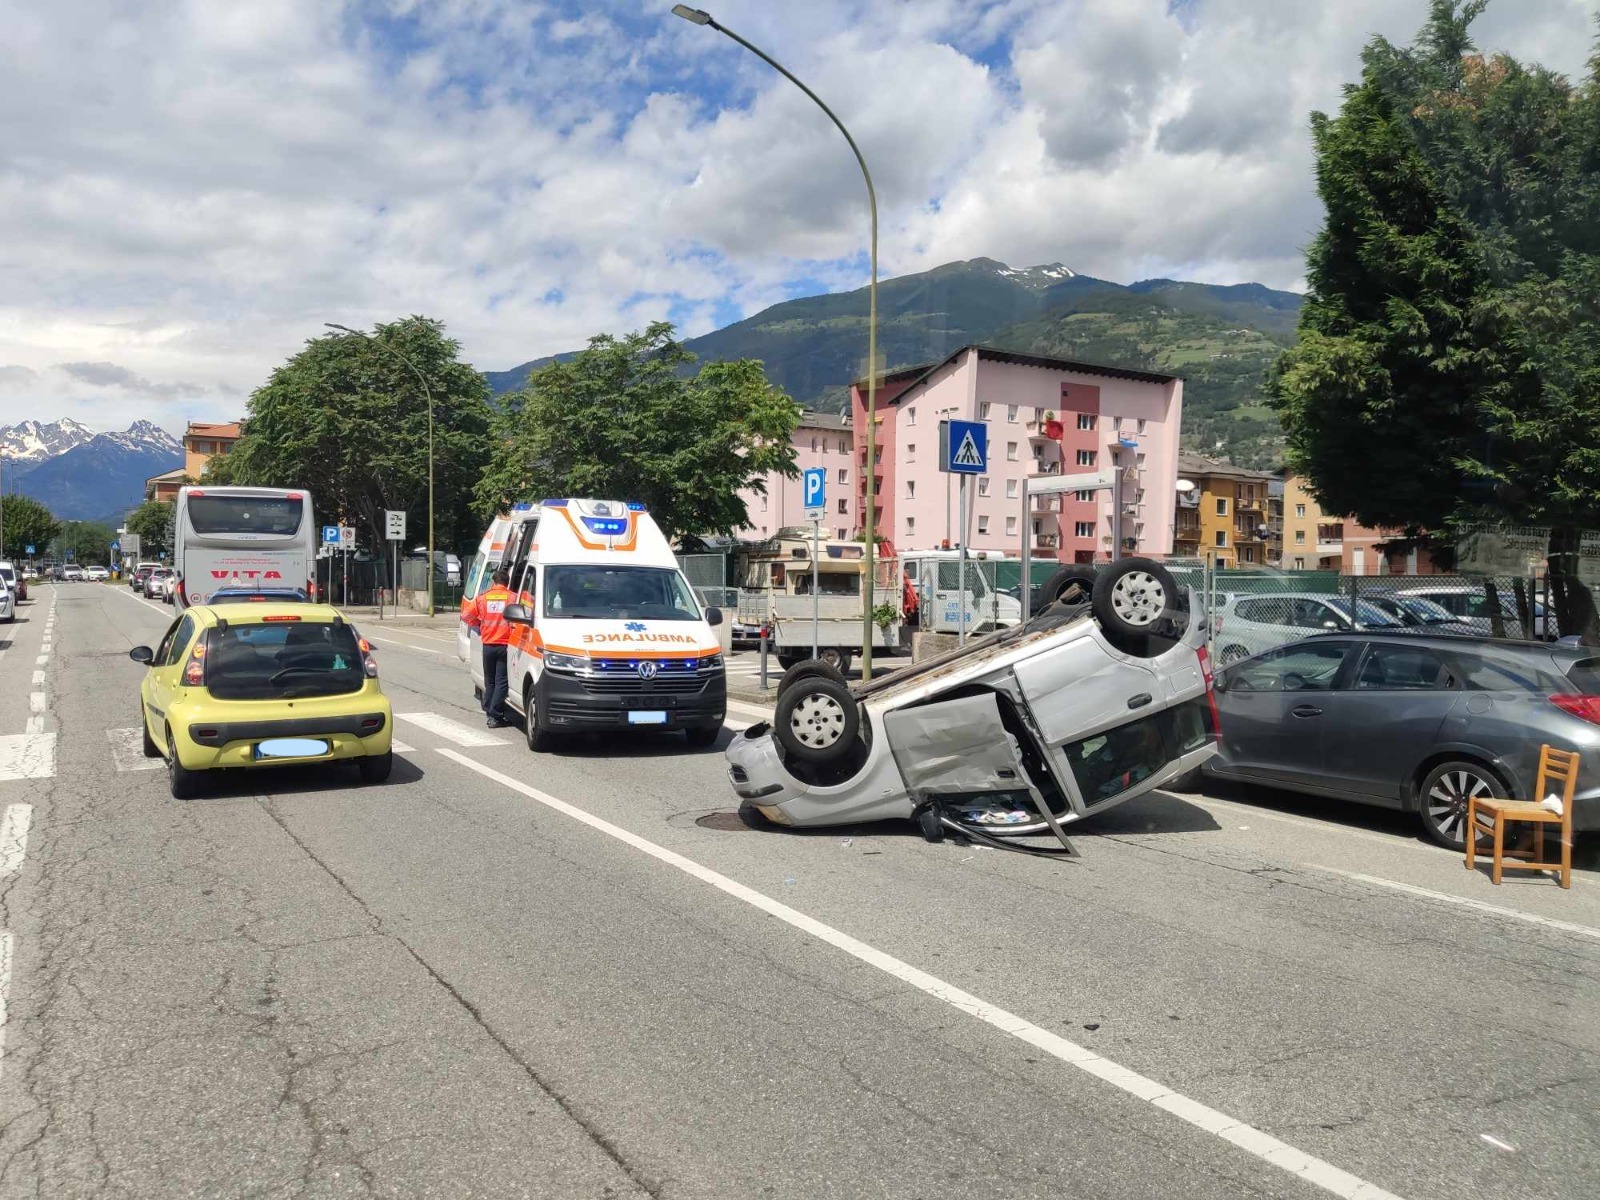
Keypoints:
pixel 1220 338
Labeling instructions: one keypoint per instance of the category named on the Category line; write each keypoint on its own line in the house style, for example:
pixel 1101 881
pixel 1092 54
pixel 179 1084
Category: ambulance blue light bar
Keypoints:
pixel 606 526
pixel 553 503
pixel 635 506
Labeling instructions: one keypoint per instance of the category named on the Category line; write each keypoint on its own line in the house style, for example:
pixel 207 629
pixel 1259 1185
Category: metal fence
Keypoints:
pixel 706 570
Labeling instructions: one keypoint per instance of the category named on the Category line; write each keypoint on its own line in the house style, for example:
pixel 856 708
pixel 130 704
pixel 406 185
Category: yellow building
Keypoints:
pixel 203 442
pixel 1224 517
pixel 1312 540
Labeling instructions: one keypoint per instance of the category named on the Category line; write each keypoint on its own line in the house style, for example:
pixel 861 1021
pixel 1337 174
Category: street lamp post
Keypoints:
pixel 422 379
pixel 697 17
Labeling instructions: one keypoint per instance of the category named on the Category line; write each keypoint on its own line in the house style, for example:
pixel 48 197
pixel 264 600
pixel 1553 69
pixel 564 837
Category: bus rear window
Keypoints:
pixel 246 514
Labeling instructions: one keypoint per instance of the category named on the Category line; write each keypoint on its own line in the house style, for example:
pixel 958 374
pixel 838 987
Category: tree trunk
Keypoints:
pixel 1491 593
pixel 1571 598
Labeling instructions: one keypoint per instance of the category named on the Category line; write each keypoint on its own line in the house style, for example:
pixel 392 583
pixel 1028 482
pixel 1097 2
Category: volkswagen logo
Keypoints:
pixel 647 670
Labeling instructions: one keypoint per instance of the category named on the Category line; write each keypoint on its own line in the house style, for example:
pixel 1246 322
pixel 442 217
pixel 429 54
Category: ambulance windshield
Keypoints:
pixel 605 593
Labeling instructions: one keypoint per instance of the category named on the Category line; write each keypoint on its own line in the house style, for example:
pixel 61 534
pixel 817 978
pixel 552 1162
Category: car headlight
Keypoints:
pixel 712 662
pixel 571 664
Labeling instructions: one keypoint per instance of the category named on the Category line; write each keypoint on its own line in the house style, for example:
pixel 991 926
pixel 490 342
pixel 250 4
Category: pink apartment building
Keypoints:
pixel 1046 416
pixel 820 440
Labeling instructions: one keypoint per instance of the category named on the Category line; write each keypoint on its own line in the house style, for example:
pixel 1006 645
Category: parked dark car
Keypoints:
pixel 1411 721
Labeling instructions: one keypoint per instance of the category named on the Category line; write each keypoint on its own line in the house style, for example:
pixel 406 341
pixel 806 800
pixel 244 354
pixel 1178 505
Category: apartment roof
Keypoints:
pixel 1199 464
pixel 822 420
pixel 920 374
pixel 173 476
pixel 229 429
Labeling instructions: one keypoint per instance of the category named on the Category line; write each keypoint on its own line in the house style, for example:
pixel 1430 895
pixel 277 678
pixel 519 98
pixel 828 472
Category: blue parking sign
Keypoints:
pixel 815 491
pixel 330 535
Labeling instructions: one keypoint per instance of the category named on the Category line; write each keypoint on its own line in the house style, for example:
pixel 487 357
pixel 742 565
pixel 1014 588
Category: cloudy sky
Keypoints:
pixel 189 188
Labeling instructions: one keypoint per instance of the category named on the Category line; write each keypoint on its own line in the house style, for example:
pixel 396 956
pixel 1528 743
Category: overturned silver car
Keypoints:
pixel 1102 696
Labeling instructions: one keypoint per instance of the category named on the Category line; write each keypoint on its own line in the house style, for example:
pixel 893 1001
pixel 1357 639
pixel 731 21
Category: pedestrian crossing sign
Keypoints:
pixel 966 448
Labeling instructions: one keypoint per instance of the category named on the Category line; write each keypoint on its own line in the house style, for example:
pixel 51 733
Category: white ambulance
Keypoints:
pixel 606 633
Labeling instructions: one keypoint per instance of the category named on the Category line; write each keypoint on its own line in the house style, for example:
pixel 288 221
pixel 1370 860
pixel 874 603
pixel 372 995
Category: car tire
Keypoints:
pixel 183 783
pixel 817 720
pixel 702 736
pixel 808 668
pixel 1131 596
pixel 540 741
pixel 1231 655
pixel 375 768
pixel 788 660
pixel 929 822
pixel 151 750
pixel 1442 798
pixel 1069 585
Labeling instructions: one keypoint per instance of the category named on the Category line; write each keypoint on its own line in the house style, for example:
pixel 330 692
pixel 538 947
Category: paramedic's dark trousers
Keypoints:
pixel 494 682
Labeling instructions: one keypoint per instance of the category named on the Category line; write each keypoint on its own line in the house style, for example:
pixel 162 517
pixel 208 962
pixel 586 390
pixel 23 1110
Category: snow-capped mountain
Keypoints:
pixel 82 475
pixel 35 441
pixel 1038 277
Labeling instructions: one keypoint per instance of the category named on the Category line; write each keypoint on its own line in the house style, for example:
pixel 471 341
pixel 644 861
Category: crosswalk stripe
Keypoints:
pixel 400 747
pixel 27 756
pixel 455 731
pixel 127 750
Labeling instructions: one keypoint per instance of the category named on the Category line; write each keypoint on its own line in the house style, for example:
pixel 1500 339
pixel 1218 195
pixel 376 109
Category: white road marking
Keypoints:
pixel 14 826
pixel 36 702
pixel 400 747
pixel 375 637
pixel 754 710
pixel 38 678
pixel 127 751
pixel 41 660
pixel 35 725
pixel 5 987
pixel 1264 1146
pixel 27 756
pixel 455 731
pixel 1463 901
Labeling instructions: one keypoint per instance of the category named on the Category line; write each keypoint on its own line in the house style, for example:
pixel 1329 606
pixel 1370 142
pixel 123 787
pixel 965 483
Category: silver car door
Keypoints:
pixel 1382 721
pixel 1079 686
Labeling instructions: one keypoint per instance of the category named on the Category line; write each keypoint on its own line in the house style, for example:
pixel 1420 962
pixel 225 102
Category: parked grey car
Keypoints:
pixel 1411 721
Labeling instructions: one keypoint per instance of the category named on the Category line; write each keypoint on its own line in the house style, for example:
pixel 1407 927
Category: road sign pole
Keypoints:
pixel 816 595
pixel 961 567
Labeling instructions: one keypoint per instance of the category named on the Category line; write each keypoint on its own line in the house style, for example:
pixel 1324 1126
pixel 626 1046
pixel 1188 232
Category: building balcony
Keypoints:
pixel 1048 504
pixel 1249 506
pixel 1330 549
pixel 1046 541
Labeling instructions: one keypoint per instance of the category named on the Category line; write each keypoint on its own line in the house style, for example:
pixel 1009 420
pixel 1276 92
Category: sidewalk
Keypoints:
pixel 744 675
pixel 443 618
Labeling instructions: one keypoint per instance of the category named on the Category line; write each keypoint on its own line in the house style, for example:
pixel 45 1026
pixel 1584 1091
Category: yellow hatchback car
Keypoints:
pixel 263 685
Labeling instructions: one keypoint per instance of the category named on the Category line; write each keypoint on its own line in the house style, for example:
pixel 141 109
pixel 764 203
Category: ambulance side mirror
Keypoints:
pixel 517 614
pixel 713 617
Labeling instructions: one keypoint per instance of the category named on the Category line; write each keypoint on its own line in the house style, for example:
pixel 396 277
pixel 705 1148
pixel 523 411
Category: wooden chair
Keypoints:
pixel 1489 816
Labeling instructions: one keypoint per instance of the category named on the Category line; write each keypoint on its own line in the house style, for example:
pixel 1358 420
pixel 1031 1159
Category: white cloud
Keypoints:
pixel 190 189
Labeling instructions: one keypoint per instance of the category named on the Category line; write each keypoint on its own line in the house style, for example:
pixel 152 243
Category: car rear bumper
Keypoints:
pixel 568 702
pixel 208 745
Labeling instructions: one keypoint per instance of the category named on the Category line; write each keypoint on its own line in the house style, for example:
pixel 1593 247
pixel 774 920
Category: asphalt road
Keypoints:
pixel 507 975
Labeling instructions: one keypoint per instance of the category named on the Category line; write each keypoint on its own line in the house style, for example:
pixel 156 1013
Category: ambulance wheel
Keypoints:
pixel 1131 596
pixel 806 668
pixel 540 741
pixel 817 720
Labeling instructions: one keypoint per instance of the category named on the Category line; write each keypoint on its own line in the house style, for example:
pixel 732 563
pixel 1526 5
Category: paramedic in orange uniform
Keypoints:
pixel 487 617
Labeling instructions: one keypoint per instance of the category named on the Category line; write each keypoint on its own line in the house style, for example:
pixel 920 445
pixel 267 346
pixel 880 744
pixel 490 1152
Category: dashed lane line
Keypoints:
pixel 14 826
pixel 378 637
pixel 27 756
pixel 1263 1146
pixel 454 731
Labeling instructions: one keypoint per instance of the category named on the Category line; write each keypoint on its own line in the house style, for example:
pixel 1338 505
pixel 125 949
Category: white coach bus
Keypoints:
pixel 243 537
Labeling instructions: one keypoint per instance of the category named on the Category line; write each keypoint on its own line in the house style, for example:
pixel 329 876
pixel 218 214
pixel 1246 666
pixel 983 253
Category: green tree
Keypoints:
pixel 27 523
pixel 152 522
pixel 624 420
pixel 347 419
pixel 1448 368
pixel 88 541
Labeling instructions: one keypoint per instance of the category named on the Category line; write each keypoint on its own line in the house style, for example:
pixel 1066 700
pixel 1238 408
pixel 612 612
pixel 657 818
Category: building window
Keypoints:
pixel 983 412
pixel 844 507
pixel 844 475
pixel 1083 529
pixel 813 445
pixel 1085 420
pixel 983 485
pixel 844 446
pixel 1086 458
pixel 1299 564
pixel 1222 508
pixel 911 489
pixel 838 534
pixel 1299 537
pixel 911 452
pixel 1085 497
pixel 1247 555
pixel 1299 510
pixel 1141 424
pixel 983 524
pixel 1011 489
pixel 1011 527
pixel 1222 537
pixel 1011 414
pixel 911 525
pixel 1138 461
pixel 1011 452
pixel 911 416
pixel 763 503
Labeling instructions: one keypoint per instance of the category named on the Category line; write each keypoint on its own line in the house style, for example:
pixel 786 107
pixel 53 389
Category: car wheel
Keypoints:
pixel 788 660
pixel 540 741
pixel 375 768
pixel 1131 595
pixel 1232 654
pixel 183 783
pixel 1442 799
pixel 817 720
pixel 703 735
pixel 1070 585
pixel 930 824
pixel 151 750
pixel 808 668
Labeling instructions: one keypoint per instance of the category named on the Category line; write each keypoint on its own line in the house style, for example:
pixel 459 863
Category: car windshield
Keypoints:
pixel 607 593
pixel 1370 615
pixel 282 660
pixel 1425 611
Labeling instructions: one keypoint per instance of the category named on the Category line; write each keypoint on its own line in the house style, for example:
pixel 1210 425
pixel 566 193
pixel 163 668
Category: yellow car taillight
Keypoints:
pixel 194 671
